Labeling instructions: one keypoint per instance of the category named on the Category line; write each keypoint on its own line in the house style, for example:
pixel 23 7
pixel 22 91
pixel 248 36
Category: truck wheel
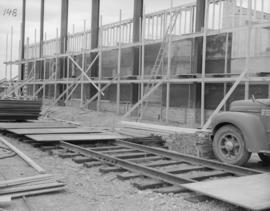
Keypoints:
pixel 229 146
pixel 264 158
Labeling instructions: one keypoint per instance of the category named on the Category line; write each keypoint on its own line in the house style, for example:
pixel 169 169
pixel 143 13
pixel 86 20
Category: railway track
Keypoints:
pixel 166 171
pixel 148 165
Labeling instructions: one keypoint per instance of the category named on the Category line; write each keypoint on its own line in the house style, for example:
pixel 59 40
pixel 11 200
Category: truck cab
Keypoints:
pixel 242 130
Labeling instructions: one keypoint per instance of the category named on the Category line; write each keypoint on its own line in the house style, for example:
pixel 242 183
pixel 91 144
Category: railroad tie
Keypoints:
pixel 82 159
pixel 171 189
pixel 92 164
pixel 111 169
pixel 144 184
pixel 68 155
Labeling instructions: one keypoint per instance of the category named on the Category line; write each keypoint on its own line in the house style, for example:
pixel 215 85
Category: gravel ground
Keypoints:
pixel 88 189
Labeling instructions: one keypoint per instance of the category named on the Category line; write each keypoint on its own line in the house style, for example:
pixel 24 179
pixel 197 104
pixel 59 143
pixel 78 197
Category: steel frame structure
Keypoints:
pixel 117 36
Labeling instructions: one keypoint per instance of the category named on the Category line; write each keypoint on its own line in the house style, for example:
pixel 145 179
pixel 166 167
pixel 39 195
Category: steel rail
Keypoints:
pixel 237 170
pixel 147 171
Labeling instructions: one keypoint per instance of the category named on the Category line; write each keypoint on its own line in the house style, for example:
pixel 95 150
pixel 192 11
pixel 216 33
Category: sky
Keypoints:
pixel 79 10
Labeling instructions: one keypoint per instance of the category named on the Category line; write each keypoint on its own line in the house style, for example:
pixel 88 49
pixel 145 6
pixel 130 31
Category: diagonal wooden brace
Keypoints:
pixel 89 79
pixel 143 99
pixel 80 77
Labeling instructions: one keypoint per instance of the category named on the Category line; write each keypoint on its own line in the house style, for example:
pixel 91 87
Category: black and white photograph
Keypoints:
pixel 134 105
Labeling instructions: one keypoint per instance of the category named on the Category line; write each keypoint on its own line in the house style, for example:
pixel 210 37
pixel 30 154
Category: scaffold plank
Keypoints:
pixel 33 131
pixel 75 137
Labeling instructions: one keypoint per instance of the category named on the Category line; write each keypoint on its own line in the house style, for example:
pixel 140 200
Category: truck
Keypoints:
pixel 241 131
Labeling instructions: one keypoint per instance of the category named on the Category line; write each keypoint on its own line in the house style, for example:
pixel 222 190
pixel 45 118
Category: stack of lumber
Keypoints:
pixel 153 129
pixel 30 186
pixel 19 110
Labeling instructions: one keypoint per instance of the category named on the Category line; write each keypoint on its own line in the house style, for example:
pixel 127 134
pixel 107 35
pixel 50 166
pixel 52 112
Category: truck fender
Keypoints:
pixel 255 135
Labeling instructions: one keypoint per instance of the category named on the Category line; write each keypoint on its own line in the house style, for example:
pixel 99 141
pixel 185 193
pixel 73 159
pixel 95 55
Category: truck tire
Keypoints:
pixel 229 146
pixel 264 158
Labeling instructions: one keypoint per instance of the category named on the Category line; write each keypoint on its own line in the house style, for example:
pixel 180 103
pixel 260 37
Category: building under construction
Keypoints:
pixel 178 66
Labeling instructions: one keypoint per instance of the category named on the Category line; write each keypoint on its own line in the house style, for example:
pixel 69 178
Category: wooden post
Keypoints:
pixel 169 67
pixel 22 39
pixel 44 76
pixel 6 69
pixel 11 53
pixel 119 65
pixel 143 59
pixel 100 63
pixel 83 62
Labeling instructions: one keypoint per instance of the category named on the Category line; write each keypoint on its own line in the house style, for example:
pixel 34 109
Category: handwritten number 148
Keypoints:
pixel 10 12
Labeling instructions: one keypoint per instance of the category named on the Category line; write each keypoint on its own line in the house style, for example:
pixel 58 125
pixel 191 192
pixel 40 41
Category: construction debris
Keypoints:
pixel 162 130
pixel 34 185
pixel 19 110
pixel 28 186
pixel 24 157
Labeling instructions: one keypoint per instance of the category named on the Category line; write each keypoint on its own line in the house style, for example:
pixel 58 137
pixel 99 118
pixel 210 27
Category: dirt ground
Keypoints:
pixel 88 189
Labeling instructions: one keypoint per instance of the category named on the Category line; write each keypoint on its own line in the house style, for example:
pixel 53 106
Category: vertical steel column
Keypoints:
pixel 197 64
pixel 22 38
pixel 94 40
pixel 41 32
pixel 248 47
pixel 204 64
pixel 63 44
pixel 137 28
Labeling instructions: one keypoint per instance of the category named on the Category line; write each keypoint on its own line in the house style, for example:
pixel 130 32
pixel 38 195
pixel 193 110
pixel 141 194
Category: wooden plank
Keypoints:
pixel 144 184
pixel 121 151
pixel 144 159
pixel 107 148
pixel 68 155
pixel 133 155
pixel 30 187
pixel 83 159
pixel 170 189
pixel 27 159
pixel 92 164
pixel 159 128
pixel 164 163
pixel 35 131
pixel 127 176
pixel 111 169
pixel 75 137
pixel 34 125
pixel 36 192
pixel 19 181
pixel 250 192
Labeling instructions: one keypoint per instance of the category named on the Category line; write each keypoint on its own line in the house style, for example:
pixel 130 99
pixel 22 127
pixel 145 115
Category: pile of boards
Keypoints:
pixel 19 110
pixel 29 186
pixel 148 129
